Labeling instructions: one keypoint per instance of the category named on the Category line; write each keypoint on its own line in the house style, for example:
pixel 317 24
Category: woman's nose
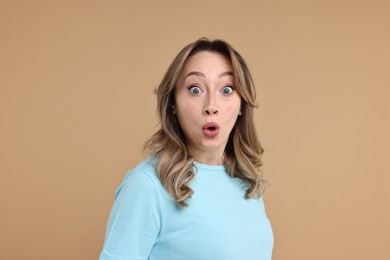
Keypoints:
pixel 210 107
pixel 210 111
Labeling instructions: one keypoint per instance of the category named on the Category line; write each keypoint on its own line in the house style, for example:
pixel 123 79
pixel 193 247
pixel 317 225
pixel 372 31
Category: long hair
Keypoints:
pixel 242 156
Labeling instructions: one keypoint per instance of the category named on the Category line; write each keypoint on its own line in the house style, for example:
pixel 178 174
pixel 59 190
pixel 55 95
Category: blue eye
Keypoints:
pixel 227 90
pixel 195 90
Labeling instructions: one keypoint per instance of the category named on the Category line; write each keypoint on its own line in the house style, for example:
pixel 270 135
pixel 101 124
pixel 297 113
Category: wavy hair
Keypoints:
pixel 242 156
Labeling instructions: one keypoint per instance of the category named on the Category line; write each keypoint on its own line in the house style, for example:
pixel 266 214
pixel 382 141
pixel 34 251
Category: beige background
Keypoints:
pixel 76 104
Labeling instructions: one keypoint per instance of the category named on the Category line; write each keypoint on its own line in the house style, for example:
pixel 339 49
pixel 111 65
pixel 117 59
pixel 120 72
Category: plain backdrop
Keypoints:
pixel 77 103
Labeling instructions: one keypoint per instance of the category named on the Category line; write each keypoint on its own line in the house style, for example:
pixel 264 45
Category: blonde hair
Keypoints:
pixel 242 160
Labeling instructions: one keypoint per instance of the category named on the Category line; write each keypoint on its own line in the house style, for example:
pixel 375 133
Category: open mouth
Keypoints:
pixel 211 129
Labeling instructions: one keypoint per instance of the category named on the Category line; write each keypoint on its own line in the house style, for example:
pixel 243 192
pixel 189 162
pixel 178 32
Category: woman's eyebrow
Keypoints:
pixel 196 73
pixel 200 74
pixel 226 73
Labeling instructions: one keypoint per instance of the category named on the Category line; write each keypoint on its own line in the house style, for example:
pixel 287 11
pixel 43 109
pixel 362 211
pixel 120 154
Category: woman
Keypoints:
pixel 199 193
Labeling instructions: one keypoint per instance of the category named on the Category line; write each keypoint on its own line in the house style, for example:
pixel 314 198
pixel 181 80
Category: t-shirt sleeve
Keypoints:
pixel 134 221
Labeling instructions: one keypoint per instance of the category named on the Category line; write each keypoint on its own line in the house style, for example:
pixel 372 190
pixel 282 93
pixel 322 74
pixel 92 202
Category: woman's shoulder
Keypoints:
pixel 145 168
pixel 144 175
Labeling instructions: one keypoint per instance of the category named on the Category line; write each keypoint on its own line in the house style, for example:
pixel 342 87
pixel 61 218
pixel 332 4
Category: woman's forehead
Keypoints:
pixel 207 62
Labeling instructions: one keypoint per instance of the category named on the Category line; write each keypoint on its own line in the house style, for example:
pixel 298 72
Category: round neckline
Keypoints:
pixel 209 167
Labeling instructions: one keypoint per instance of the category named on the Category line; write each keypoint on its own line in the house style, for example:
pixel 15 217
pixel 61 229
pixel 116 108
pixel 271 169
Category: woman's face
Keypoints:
pixel 207 105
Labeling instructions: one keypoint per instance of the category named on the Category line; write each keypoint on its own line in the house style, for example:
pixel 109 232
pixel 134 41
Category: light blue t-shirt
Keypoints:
pixel 218 224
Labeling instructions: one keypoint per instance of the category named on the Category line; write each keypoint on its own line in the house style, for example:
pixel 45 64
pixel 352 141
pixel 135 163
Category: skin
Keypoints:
pixel 205 93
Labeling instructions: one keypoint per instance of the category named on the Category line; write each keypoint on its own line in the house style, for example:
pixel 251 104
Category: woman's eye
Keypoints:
pixel 195 90
pixel 227 90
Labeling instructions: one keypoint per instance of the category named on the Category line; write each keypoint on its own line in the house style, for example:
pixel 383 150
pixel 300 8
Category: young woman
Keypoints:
pixel 198 195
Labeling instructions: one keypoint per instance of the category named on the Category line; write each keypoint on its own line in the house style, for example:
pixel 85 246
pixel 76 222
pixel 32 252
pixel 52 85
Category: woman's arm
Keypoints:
pixel 134 221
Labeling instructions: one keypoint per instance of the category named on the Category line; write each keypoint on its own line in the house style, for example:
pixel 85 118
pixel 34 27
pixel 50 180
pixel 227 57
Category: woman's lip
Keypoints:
pixel 211 129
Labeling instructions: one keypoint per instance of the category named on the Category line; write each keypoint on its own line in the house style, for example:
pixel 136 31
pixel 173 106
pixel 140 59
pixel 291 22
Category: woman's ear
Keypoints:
pixel 173 109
